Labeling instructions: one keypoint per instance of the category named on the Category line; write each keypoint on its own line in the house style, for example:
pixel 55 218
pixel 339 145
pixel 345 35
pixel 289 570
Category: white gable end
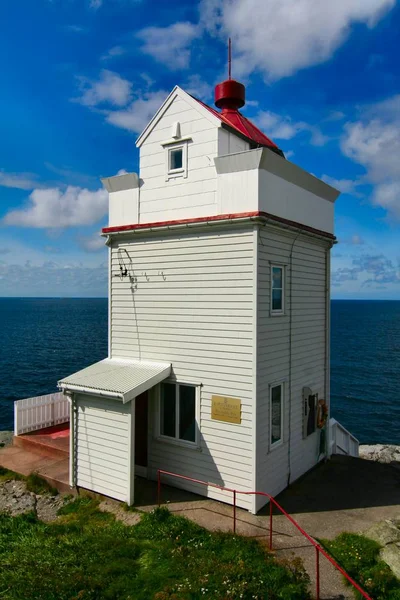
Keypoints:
pixel 183 186
pixel 177 93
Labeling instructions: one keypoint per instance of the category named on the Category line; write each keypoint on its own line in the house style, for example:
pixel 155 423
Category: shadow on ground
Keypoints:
pixel 343 483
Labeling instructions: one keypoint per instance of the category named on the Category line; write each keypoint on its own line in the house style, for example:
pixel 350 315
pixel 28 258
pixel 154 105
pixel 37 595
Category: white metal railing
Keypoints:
pixel 342 441
pixel 31 414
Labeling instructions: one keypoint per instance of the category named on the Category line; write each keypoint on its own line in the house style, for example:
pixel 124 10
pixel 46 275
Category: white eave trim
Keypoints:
pixel 120 183
pixel 87 390
pixel 176 92
pixel 265 159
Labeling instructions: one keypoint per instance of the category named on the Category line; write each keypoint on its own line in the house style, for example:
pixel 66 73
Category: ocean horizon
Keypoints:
pixel 45 339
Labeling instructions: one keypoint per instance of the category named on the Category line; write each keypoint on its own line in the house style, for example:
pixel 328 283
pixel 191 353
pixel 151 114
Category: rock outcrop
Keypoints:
pixel 6 438
pixel 387 534
pixel 15 500
pixel 383 453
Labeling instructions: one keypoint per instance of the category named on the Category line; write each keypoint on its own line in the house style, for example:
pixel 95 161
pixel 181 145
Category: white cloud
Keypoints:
pixel 356 240
pixel 92 243
pixel 113 52
pixel 279 37
pixel 170 45
pixel 369 269
pixel 75 28
pixel 110 88
pixel 276 126
pixel 374 142
pixel 136 116
pixel 197 87
pixel 20 181
pixel 53 279
pixel 283 128
pixel 95 4
pixel 345 186
pixel 387 196
pixel 54 209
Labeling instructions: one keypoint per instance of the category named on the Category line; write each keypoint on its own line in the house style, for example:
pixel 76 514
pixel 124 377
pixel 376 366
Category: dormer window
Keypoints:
pixel 175 160
pixel 176 154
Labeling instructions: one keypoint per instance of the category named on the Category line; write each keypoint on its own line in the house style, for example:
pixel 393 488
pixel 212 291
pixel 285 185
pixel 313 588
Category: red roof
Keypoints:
pixel 235 120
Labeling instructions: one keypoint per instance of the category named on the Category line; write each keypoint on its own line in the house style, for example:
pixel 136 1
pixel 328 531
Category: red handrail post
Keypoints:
pixel 272 500
pixel 234 511
pixel 270 524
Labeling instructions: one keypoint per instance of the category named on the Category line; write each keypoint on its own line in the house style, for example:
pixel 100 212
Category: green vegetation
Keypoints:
pixel 34 483
pixel 7 475
pixel 87 555
pixel 38 485
pixel 359 556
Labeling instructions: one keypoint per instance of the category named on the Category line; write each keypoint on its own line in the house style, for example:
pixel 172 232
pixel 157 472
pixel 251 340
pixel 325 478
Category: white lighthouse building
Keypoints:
pixel 218 365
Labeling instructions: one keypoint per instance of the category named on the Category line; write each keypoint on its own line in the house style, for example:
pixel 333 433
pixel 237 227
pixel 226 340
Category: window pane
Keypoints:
pixel 187 413
pixel 176 159
pixel 276 414
pixel 276 277
pixel 168 409
pixel 276 299
pixel 312 417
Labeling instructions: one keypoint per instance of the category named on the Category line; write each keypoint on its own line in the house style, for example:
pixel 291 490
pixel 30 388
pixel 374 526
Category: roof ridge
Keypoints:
pixel 242 125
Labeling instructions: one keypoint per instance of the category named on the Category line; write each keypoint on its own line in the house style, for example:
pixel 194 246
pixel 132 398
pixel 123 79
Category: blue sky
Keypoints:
pixel 81 78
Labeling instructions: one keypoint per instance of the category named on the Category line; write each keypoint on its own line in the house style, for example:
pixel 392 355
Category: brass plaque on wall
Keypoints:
pixel 226 409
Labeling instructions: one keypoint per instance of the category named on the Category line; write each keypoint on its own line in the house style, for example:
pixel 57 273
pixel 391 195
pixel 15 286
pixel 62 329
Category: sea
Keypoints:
pixel 45 339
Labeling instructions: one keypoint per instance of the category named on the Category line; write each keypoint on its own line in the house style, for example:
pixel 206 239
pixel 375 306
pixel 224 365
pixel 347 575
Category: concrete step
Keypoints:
pixel 53 469
pixel 43 445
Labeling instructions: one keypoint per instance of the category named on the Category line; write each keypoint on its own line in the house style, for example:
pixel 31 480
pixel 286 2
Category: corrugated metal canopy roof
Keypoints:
pixel 117 378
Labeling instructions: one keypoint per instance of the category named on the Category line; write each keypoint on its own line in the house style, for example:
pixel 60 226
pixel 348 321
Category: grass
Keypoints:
pixel 38 485
pixel 7 475
pixel 359 556
pixel 34 483
pixel 87 555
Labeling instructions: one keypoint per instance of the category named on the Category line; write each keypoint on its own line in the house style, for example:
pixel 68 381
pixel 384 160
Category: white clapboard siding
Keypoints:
pixel 102 446
pixel 180 197
pixel 192 304
pixel 31 414
pixel 273 348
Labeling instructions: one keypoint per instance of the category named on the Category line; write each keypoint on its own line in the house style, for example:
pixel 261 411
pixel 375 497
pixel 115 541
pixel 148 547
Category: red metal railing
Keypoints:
pixel 272 502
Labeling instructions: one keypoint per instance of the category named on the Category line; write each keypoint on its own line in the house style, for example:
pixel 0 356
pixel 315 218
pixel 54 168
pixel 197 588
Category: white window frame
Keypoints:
pixel 182 171
pixel 176 440
pixel 279 442
pixel 278 311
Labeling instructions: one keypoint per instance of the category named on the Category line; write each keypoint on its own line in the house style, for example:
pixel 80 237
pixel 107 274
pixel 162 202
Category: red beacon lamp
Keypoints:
pixel 230 95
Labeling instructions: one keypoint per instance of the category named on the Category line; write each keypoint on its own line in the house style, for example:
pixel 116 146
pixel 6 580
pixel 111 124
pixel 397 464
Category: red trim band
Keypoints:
pixel 225 217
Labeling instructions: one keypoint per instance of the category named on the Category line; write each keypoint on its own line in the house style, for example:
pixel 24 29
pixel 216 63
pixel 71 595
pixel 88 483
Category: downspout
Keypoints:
pixel 72 412
pixel 327 346
pixel 290 354
pixel 108 243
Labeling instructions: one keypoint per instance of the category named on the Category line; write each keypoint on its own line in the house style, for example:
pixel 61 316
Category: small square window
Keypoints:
pixel 277 289
pixel 176 159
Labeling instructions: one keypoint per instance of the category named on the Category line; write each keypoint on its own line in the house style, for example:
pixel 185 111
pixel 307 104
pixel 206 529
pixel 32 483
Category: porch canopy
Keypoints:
pixel 117 378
